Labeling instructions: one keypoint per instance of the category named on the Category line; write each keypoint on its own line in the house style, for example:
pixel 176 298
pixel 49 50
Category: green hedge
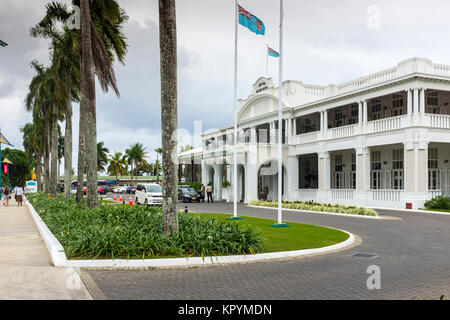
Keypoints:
pixel 124 231
pixel 438 202
pixel 312 206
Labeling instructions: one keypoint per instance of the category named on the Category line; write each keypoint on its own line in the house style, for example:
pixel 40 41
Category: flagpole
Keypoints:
pixel 267 60
pixel 280 125
pixel 235 215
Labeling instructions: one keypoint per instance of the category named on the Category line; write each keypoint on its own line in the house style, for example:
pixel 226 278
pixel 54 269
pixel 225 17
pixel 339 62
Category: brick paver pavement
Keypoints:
pixel 413 253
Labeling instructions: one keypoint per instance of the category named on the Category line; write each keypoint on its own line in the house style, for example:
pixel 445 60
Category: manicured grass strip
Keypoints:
pixel 298 236
pixel 312 206
pixel 439 210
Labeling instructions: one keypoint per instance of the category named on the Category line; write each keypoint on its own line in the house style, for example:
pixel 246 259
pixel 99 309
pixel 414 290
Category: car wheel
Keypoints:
pixel 146 202
pixel 136 201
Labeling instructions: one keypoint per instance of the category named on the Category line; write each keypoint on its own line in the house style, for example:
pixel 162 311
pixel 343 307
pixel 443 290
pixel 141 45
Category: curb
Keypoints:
pixel 413 211
pixel 55 249
pixel 59 258
pixel 320 212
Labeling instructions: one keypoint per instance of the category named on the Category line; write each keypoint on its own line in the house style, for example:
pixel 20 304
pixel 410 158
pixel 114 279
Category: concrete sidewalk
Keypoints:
pixel 25 267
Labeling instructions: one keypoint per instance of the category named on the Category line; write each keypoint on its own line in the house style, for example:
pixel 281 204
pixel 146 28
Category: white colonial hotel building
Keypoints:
pixel 382 140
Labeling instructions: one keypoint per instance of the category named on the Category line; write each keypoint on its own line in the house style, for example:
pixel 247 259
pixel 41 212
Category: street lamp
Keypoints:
pixel 3 43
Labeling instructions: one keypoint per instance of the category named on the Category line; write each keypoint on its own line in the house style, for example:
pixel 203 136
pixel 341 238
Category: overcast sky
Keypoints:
pixel 325 41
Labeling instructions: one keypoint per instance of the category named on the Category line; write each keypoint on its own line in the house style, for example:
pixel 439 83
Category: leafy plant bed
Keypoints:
pixel 312 206
pixel 134 232
pixel 438 203
pixel 297 237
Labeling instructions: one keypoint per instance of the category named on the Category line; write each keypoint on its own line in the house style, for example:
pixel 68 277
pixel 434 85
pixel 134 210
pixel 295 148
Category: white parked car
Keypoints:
pixel 148 194
pixel 120 189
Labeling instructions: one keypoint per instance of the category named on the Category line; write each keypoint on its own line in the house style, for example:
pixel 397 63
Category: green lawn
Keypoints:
pixel 439 210
pixel 298 236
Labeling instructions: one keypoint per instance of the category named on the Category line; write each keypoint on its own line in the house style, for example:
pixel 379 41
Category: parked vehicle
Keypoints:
pixel 100 190
pixel 120 189
pixel 129 189
pixel 148 194
pixel 188 195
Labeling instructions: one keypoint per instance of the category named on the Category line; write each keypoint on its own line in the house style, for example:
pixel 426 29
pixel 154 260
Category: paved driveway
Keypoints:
pixel 412 251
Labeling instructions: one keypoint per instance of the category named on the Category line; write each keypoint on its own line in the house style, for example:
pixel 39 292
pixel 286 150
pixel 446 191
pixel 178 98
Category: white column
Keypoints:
pixel 415 108
pixel 294 125
pixel 365 113
pixel 360 114
pixel 409 106
pixel 422 102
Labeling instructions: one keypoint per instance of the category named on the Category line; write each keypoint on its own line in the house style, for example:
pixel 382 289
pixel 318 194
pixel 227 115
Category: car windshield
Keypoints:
pixel 191 190
pixel 154 188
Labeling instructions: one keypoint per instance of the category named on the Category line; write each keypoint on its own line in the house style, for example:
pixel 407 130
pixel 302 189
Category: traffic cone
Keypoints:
pixel 120 198
pixel 130 201
pixel 115 198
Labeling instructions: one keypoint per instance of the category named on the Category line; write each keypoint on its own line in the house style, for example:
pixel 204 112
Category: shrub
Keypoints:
pixel 438 202
pixel 312 206
pixel 124 231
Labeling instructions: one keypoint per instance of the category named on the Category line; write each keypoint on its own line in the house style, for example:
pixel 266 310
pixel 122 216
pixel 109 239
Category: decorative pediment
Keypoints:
pixel 262 84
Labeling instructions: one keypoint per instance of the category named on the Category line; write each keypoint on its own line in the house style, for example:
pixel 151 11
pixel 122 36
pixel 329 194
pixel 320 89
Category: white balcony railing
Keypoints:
pixel 342 132
pixel 307 137
pixel 342 194
pixel 307 194
pixel 434 193
pixel 387 195
pixel 387 124
pixel 439 121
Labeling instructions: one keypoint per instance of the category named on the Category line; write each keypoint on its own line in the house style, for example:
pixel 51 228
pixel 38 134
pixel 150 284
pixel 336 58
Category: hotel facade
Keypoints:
pixel 382 140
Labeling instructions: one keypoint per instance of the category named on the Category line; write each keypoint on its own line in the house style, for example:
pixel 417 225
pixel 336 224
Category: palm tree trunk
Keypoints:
pixel 46 155
pixel 81 153
pixel 169 113
pixel 68 140
pixel 39 172
pixel 88 98
pixel 54 147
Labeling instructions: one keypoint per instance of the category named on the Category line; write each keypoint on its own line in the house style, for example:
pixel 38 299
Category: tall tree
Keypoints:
pixel 158 163
pixel 101 40
pixel 135 155
pixel 102 156
pixel 38 102
pixel 169 113
pixel 117 165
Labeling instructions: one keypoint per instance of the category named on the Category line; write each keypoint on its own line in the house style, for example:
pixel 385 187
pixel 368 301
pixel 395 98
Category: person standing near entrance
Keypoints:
pixel 202 192
pixel 209 192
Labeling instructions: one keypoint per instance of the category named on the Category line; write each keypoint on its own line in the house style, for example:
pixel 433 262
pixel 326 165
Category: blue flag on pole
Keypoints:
pixel 250 21
pixel 273 53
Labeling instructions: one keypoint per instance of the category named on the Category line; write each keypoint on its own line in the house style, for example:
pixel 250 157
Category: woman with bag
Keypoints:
pixel 6 195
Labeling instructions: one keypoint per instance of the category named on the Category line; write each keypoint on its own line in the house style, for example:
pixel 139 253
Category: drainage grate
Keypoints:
pixel 364 255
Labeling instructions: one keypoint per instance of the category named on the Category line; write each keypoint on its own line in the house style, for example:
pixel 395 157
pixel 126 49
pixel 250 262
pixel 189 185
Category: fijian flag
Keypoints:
pixel 273 53
pixel 4 140
pixel 250 21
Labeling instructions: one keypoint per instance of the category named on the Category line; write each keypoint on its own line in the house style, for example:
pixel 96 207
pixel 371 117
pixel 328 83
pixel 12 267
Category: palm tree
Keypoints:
pixel 135 155
pixel 65 62
pixel 102 39
pixel 38 102
pixel 169 113
pixel 117 165
pixel 102 158
pixel 158 151
pixel 33 144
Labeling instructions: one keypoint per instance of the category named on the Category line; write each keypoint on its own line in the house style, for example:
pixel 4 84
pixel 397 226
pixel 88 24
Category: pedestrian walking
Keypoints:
pixel 6 195
pixel 19 196
pixel 202 193
pixel 209 192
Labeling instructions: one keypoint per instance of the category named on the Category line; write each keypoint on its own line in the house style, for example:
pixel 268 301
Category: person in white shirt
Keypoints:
pixel 19 195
